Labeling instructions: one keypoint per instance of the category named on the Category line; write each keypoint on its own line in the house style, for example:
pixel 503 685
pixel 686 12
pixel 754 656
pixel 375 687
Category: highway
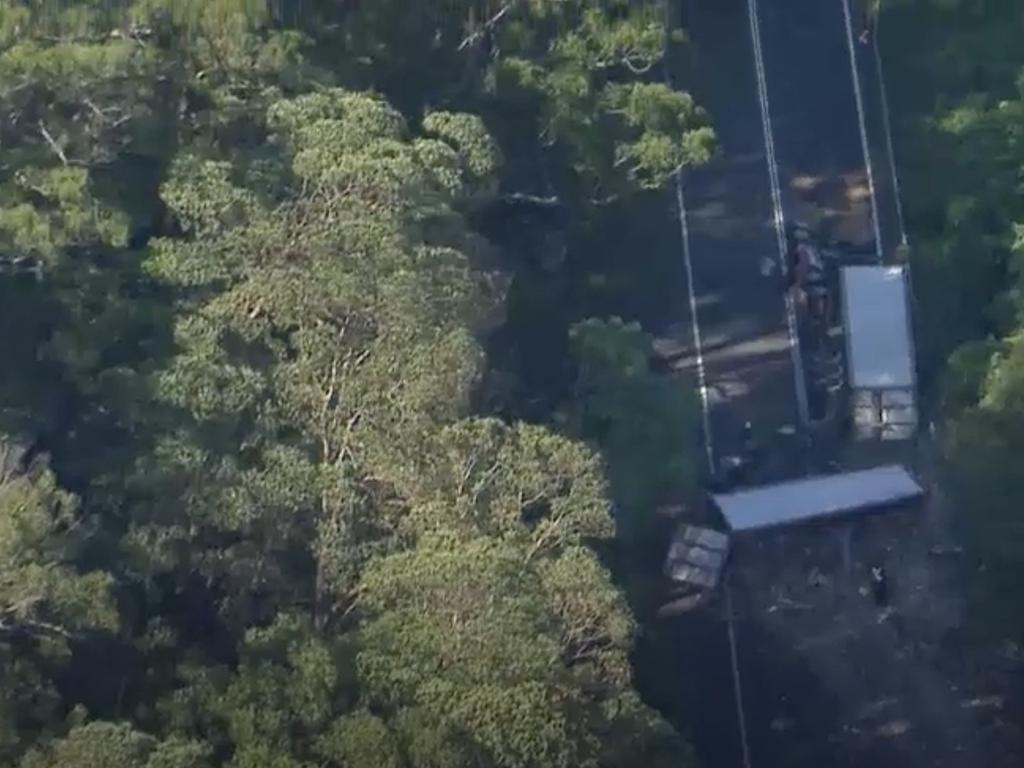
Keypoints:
pixel 797 105
pixel 815 120
pixel 740 310
pixel 795 101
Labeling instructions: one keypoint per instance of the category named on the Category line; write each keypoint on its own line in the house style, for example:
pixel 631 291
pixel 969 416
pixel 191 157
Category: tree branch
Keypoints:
pixel 92 105
pixel 484 481
pixel 641 69
pixel 53 144
pixel 104 117
pixel 325 413
pixel 587 648
pixel 33 627
pixel 488 25
pixel 540 202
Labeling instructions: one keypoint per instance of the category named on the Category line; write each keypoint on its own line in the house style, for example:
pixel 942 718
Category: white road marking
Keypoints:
pixel 886 121
pixel 698 346
pixel 862 124
pixel 776 191
pixel 734 663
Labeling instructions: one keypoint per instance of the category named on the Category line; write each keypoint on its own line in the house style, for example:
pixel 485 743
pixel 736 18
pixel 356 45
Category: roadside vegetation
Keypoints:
pixel 956 77
pixel 322 371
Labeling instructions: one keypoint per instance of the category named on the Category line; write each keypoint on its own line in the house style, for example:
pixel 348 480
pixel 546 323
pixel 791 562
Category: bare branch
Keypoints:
pixel 488 25
pixel 636 64
pixel 606 200
pixel 53 144
pixel 33 627
pixel 330 391
pixel 637 69
pixel 540 202
pixel 359 359
pixel 91 105
pixel 105 114
pixel 70 39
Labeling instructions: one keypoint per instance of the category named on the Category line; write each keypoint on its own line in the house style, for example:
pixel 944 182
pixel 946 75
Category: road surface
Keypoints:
pixel 799 64
pixel 815 118
pixel 741 310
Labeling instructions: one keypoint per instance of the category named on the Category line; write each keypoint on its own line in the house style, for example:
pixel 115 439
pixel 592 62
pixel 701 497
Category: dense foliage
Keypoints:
pixel 966 219
pixel 267 494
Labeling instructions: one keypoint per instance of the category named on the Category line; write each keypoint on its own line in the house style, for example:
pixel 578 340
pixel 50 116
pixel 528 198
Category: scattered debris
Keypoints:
pixel 785 602
pixel 877 707
pixel 995 702
pixel 818 579
pixel 1012 651
pixel 671 510
pixel 780 724
pixel 683 604
pixel 893 728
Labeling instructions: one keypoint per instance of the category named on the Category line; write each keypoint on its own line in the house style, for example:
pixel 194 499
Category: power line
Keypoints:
pixel 737 688
pixel 862 125
pixel 887 125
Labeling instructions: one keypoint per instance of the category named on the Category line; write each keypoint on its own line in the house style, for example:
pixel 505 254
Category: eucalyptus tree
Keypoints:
pixel 326 320
pixel 47 603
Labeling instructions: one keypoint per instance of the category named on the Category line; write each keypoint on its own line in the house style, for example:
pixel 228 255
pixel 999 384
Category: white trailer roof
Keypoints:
pixel 879 347
pixel 801 501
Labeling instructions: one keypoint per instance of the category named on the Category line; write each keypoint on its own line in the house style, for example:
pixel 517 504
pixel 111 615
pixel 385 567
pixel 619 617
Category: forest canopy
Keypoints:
pixel 958 88
pixel 275 488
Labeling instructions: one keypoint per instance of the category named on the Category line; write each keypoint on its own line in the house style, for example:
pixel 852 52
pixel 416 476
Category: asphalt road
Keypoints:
pixel 810 89
pixel 870 68
pixel 823 181
pixel 741 313
pixel 740 310
pixel 816 123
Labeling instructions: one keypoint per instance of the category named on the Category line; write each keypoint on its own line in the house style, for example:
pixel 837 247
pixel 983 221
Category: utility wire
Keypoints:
pixel 737 687
pixel 862 125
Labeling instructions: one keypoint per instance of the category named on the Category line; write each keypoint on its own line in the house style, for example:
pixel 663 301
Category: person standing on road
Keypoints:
pixel 747 437
pixel 880 585
pixel 871 8
pixel 750 448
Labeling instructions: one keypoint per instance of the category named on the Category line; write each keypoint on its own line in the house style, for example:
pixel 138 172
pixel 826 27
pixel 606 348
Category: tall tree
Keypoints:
pixel 444 617
pixel 965 225
pixel 643 423
pixel 116 746
pixel 257 303
pixel 982 434
pixel 325 319
pixel 45 601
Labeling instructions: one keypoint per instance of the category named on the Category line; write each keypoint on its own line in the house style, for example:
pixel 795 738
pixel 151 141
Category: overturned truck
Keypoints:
pixel 879 352
pixel 825 524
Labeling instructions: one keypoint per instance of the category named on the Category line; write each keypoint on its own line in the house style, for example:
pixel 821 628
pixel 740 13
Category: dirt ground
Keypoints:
pixel 830 672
